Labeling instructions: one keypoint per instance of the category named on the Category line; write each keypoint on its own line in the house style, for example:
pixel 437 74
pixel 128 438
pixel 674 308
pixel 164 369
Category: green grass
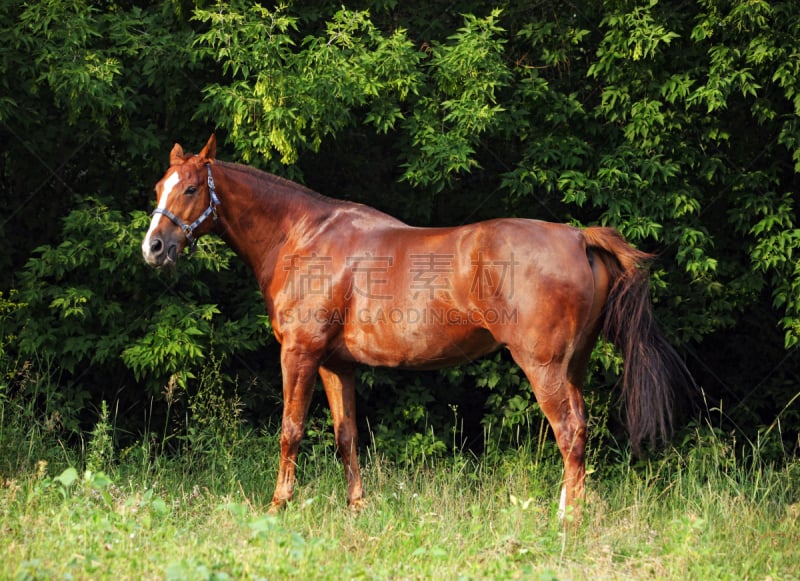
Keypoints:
pixel 702 514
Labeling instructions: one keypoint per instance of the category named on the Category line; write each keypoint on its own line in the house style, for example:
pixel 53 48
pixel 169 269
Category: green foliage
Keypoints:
pixel 465 76
pixel 411 427
pixel 8 307
pixel 82 291
pixel 214 430
pixel 68 59
pixel 100 450
pixel 287 100
pixel 36 418
pixel 676 123
pixel 90 93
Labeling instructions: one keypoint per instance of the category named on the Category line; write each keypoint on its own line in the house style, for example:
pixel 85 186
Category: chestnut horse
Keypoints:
pixel 346 284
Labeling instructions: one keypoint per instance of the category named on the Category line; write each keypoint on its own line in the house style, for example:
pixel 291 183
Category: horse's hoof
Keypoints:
pixel 357 505
pixel 275 507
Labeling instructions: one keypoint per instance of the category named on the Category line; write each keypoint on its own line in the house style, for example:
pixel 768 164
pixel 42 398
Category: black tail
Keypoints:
pixel 653 372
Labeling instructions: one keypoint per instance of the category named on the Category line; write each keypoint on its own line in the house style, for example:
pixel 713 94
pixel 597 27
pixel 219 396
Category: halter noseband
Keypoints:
pixel 189 229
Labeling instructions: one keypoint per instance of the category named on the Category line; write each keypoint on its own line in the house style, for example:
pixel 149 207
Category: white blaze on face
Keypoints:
pixel 169 185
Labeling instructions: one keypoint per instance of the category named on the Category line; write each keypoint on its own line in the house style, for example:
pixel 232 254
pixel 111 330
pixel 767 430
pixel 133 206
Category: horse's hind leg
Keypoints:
pixel 562 404
pixel 340 389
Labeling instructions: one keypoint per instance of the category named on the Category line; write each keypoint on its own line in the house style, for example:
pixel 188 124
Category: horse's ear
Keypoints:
pixel 176 155
pixel 209 152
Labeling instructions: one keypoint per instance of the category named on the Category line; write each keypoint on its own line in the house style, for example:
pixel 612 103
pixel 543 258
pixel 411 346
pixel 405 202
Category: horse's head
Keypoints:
pixel 186 199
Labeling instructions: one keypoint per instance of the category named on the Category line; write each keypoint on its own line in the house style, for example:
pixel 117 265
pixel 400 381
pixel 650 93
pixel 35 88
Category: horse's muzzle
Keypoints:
pixel 160 253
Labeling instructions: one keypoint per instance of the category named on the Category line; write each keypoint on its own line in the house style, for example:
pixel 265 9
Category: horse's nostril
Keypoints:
pixel 156 246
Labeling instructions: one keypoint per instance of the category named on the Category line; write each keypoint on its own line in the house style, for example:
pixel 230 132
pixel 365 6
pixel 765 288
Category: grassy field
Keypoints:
pixel 703 514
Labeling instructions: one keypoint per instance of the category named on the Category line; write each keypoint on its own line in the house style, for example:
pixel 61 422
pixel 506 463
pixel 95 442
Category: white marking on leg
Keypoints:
pixel 169 185
pixel 562 505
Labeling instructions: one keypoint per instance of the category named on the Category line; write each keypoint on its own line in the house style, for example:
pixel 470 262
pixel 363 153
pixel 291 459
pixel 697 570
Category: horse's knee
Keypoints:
pixel 346 441
pixel 291 433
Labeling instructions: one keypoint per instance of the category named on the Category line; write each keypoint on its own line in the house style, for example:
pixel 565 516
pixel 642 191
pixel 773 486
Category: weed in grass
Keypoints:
pixel 34 418
pixel 100 450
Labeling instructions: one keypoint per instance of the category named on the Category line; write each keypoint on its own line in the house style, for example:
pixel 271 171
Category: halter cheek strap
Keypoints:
pixel 189 229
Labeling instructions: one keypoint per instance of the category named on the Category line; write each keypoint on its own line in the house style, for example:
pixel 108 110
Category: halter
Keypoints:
pixel 189 229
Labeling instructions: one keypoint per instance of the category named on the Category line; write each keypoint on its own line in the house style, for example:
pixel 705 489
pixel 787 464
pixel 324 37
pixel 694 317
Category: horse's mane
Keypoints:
pixel 272 180
pixel 267 184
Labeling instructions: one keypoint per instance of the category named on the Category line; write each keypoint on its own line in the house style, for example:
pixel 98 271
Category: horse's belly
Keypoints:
pixel 415 345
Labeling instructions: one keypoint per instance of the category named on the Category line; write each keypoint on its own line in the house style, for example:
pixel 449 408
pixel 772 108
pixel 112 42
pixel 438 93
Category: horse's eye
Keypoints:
pixel 190 191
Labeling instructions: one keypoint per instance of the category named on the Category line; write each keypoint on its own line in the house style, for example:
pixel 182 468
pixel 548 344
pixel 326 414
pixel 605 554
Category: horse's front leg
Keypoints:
pixel 299 370
pixel 340 389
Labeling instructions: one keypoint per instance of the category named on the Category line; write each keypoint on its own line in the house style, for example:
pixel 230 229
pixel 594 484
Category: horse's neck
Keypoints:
pixel 258 217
